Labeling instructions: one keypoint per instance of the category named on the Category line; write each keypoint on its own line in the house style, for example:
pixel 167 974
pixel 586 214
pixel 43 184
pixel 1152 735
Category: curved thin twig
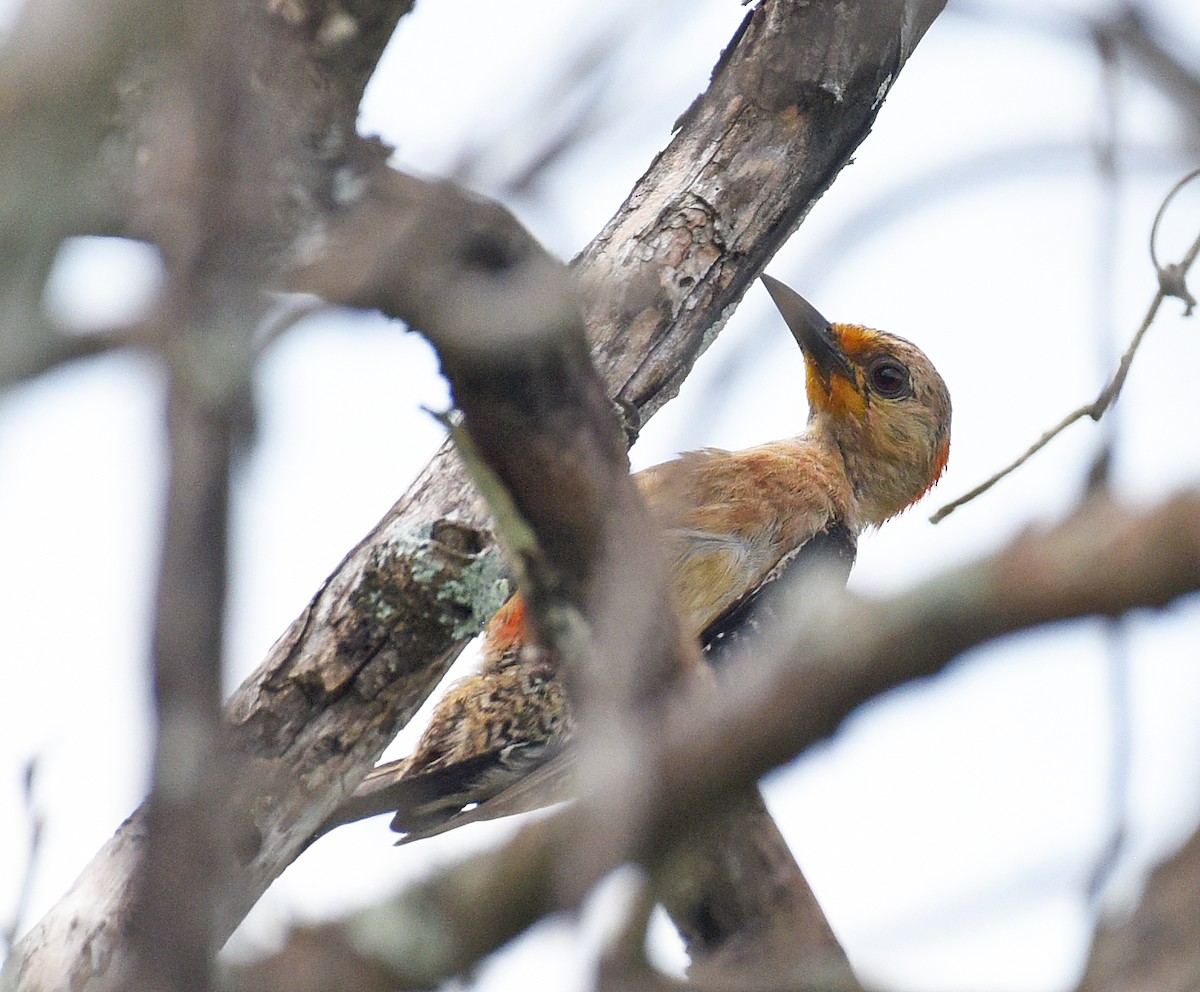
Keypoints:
pixel 1171 277
pixel 1171 283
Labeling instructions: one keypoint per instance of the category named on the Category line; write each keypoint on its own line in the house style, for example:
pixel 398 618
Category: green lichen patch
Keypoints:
pixel 423 591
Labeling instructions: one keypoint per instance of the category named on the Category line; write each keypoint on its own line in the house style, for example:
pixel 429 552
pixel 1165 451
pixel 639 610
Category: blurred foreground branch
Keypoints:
pixel 841 651
pixel 1155 946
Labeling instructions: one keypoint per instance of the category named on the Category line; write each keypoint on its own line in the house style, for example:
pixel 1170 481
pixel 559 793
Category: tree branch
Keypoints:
pixel 1154 947
pixel 842 651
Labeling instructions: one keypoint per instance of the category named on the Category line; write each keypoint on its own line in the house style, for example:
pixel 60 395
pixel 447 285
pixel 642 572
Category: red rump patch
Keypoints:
pixel 507 628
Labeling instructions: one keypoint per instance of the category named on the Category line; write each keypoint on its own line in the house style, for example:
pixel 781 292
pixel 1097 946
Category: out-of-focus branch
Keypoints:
pixel 843 650
pixel 340 42
pixel 1155 946
pixel 1132 28
pixel 442 928
pixel 211 241
pixel 36 824
pixel 506 323
pixel 57 346
pixel 1104 560
pixel 59 71
pixel 204 203
pixel 73 86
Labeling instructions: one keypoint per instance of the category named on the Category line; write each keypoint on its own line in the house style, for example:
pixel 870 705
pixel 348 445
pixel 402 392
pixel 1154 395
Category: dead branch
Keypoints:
pixel 212 243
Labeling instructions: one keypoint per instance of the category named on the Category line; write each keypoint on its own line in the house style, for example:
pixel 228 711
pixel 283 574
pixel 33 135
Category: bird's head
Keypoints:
pixel 878 399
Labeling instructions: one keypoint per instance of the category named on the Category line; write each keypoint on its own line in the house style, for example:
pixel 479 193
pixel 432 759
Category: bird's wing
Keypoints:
pixel 831 551
pixel 550 781
pixel 427 802
pixel 734 521
pixel 538 776
pixel 488 731
pixel 490 785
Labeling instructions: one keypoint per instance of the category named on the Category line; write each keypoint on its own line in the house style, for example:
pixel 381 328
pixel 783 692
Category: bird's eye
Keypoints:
pixel 889 378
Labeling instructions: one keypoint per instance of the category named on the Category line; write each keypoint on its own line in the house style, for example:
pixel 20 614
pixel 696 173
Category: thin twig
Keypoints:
pixel 1171 283
pixel 1171 277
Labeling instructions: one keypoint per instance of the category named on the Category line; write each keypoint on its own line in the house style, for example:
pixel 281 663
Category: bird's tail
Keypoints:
pixel 422 791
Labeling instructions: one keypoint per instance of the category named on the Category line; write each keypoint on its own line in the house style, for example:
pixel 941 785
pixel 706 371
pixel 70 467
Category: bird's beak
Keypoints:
pixel 811 331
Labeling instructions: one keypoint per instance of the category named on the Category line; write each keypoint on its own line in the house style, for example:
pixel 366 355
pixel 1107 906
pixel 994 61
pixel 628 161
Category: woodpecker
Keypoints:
pixel 877 439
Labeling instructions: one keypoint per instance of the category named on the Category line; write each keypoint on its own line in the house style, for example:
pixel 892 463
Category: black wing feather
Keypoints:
pixel 831 550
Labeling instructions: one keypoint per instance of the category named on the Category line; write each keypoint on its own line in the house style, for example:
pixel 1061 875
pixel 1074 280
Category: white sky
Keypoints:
pixel 950 829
